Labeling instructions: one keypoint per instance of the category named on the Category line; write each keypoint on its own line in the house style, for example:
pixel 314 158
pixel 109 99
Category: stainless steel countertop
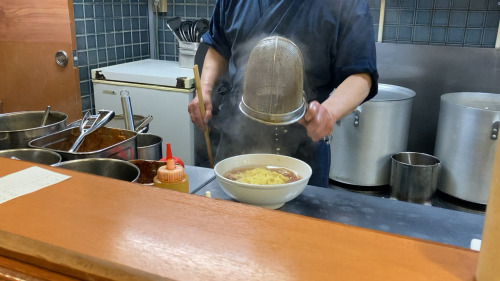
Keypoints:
pixel 419 221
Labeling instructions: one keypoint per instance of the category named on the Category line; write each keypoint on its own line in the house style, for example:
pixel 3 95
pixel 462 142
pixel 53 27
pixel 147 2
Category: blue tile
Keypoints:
pixel 134 10
pixel 101 55
pixel 391 16
pixel 473 36
pixel 117 10
pixel 91 42
pixel 92 56
pixel 119 38
pixel 126 10
pixel 489 37
pixel 145 49
pixel 392 4
pixel 374 12
pixel 492 19
pixel 90 26
pixel 98 10
pixel 455 35
pixel 136 37
pixel 127 25
pixel 438 34
pixel 120 53
pixel 108 25
pixel 81 43
pixel 390 33
pixel 442 4
pixel 89 11
pixel 479 4
pixel 460 4
pixel 84 87
pixel 135 23
pixel 408 3
pixel 110 40
pixel 143 23
pixel 190 11
pixel 78 11
pixel 128 51
pixel 374 3
pixel 111 53
pixel 86 103
pixel 406 17
pixel 79 27
pixel 191 1
pixel 179 11
pixel 170 49
pixel 82 58
pixel 423 17
pixel 421 33
pixel 458 18
pixel 440 18
pixel 101 40
pixel 476 19
pixel 99 26
pixel 494 5
pixel 143 10
pixel 136 50
pixel 127 38
pixel 144 36
pixel 405 33
pixel 118 25
pixel 108 11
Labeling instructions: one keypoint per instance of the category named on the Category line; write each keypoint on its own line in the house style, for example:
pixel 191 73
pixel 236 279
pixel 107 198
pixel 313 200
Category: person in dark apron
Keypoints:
pixel 336 40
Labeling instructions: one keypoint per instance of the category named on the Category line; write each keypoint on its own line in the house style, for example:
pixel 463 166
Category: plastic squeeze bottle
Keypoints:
pixel 171 176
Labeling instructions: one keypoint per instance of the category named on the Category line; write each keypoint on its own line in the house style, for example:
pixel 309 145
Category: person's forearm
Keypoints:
pixel 214 66
pixel 348 95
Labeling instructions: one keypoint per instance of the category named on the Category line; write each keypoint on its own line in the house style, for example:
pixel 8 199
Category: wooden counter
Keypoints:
pixel 94 227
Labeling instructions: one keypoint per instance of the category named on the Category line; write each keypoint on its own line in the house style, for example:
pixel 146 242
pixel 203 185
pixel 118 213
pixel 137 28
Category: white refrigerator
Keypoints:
pixel 159 88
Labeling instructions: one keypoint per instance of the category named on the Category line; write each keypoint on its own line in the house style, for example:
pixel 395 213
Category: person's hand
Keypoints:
pixel 318 121
pixel 195 112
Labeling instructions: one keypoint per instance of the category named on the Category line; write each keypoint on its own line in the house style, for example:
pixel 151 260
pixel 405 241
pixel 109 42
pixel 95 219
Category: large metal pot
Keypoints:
pixel 465 143
pixel 36 155
pixel 17 129
pixel 363 142
pixel 112 168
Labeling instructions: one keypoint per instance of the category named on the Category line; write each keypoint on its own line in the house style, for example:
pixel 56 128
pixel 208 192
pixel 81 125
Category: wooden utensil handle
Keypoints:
pixel 202 109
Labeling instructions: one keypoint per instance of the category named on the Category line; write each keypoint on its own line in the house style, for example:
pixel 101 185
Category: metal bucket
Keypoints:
pixel 466 140
pixel 363 142
pixel 40 156
pixel 414 176
pixel 17 129
pixel 111 168
pixel 149 147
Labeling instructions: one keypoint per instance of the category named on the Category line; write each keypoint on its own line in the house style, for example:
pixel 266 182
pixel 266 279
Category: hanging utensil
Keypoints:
pixel 45 116
pixel 141 127
pixel 174 24
pixel 201 26
pixel 128 114
pixel 89 124
pixel 185 30
pixel 202 109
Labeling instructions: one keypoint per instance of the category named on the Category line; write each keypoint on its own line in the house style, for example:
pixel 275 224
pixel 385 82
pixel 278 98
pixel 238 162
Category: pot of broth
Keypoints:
pixel 102 143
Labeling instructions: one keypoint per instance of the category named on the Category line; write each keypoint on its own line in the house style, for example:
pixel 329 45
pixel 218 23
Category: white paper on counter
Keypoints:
pixel 27 181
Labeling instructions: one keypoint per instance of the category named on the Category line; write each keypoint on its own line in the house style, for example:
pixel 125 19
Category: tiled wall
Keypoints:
pixel 115 31
pixel 107 33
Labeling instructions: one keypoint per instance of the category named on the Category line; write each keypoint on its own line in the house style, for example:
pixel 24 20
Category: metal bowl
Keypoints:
pixel 40 156
pixel 106 167
pixel 17 129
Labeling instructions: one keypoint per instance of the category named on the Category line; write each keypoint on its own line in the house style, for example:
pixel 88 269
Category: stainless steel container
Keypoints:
pixel 111 168
pixel 414 176
pixel 149 147
pixel 124 150
pixel 17 129
pixel 466 142
pixel 363 142
pixel 36 155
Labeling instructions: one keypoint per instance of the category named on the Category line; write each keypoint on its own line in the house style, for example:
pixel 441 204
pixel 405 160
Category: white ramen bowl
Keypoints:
pixel 268 196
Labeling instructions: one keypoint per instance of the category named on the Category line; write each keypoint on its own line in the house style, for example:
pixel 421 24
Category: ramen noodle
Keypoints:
pixel 263 176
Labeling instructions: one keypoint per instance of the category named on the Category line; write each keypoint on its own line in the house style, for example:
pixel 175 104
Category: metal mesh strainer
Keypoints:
pixel 273 86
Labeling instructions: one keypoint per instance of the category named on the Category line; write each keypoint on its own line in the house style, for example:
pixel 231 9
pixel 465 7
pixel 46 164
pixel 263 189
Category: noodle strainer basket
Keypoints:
pixel 273 84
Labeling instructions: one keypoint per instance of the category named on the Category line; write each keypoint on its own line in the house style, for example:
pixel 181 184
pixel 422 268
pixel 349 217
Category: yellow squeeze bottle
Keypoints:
pixel 171 176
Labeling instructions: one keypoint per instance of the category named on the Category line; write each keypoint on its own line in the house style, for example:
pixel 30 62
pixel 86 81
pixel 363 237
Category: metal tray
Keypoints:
pixel 125 150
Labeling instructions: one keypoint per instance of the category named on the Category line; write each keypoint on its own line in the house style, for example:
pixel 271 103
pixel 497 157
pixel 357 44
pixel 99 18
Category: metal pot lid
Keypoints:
pixel 476 100
pixel 388 92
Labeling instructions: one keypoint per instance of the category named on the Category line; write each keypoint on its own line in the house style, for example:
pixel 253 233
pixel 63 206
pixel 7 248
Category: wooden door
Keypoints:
pixel 31 33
